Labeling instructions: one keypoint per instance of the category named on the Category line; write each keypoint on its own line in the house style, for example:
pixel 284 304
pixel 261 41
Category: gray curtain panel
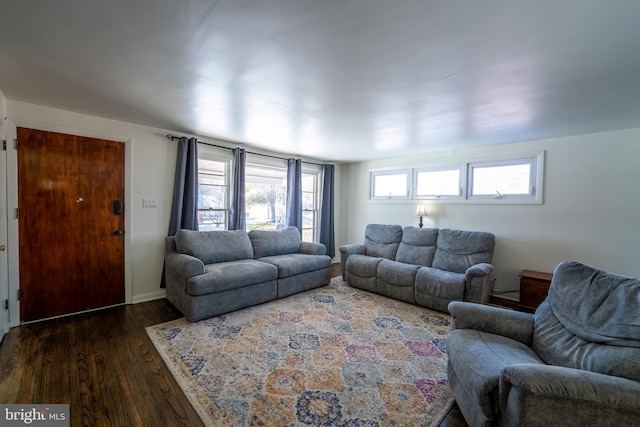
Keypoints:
pixel 237 210
pixel 294 193
pixel 326 235
pixel 184 207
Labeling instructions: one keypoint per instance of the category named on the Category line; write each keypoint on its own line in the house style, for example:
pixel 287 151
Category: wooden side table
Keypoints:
pixel 534 287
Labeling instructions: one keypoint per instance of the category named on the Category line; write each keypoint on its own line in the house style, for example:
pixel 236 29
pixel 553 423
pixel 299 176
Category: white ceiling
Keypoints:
pixel 337 80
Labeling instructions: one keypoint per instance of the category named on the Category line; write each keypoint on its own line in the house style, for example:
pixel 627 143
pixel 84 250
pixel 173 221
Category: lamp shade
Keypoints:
pixel 421 210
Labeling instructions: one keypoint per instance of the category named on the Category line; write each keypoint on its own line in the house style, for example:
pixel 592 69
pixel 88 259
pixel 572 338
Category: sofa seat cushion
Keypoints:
pixel 224 276
pixel 294 264
pixel 214 246
pixel 363 265
pixel 397 273
pixel 396 279
pixel 440 283
pixel 478 359
pixel 275 242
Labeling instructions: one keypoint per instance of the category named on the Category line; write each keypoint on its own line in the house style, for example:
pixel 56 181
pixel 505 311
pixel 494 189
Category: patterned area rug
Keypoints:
pixel 332 356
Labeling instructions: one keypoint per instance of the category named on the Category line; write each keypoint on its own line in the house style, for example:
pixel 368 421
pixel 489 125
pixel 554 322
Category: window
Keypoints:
pixel 265 192
pixel 509 179
pixel 310 207
pixel 438 183
pixel 390 184
pixel 515 178
pixel 212 194
pixel 265 197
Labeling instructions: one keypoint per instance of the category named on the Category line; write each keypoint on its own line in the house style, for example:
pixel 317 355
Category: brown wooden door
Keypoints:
pixel 71 241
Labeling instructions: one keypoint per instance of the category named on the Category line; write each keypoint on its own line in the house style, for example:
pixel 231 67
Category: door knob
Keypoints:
pixel 2 248
pixel 118 232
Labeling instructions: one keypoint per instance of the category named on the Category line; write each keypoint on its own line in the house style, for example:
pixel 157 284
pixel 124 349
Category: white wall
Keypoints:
pixel 590 211
pixel 149 172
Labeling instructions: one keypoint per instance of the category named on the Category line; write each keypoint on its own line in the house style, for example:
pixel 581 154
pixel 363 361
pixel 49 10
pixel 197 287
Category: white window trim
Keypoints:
pixel 375 173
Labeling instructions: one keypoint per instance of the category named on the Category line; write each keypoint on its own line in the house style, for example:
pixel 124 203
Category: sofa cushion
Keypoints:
pixel 601 333
pixel 382 241
pixel 609 309
pixel 224 276
pixel 418 246
pixel 397 273
pixel 275 242
pixel 556 345
pixel 440 283
pixel 458 250
pixel 294 264
pixel 214 246
pixel 363 265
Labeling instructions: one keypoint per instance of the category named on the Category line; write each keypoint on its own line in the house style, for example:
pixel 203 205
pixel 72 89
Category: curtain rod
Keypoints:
pixel 172 137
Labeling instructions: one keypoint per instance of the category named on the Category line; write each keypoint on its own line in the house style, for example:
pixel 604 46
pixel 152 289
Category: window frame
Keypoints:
pixel 316 172
pixel 209 156
pixel 388 172
pixel 534 196
pixel 461 180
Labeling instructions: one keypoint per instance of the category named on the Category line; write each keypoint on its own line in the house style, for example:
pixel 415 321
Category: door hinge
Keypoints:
pixel 19 292
pixel 16 143
pixel 6 304
pixel 17 213
pixel 4 145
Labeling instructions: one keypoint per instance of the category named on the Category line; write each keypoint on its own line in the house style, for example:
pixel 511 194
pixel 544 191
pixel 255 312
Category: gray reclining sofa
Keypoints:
pixel 426 266
pixel 209 273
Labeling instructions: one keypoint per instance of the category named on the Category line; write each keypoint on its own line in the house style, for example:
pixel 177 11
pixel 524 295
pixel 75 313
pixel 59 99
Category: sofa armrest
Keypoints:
pixel 312 248
pixel 345 251
pixel 479 270
pixel 184 265
pixel 478 281
pixel 493 320
pixel 567 387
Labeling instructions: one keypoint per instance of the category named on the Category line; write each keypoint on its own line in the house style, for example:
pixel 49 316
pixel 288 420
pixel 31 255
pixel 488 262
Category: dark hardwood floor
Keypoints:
pixel 104 365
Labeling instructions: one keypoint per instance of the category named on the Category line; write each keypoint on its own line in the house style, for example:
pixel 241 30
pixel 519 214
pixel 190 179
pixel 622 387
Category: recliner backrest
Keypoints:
pixel 458 250
pixel 590 321
pixel 418 246
pixel 382 240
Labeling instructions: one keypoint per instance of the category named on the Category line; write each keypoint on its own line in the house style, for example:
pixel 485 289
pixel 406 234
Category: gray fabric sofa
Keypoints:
pixel 214 272
pixel 575 362
pixel 426 266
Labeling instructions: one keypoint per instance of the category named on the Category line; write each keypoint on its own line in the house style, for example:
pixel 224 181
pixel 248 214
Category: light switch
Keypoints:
pixel 149 202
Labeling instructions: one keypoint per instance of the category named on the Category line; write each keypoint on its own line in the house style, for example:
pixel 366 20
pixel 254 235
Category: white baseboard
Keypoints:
pixel 149 296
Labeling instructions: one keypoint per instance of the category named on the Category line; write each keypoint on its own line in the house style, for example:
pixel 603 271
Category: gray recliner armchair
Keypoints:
pixel 575 362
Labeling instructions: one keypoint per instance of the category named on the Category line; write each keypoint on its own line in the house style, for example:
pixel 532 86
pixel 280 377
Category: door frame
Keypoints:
pixel 12 204
pixel 4 215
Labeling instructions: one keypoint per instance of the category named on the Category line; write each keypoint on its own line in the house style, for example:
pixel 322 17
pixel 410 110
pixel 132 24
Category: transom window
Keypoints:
pixel 438 183
pixel 498 180
pixel 503 180
pixel 390 184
